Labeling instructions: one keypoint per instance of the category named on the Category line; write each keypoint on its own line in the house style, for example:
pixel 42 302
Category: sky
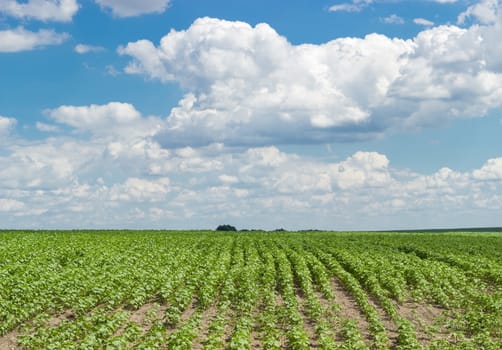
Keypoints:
pixel 305 114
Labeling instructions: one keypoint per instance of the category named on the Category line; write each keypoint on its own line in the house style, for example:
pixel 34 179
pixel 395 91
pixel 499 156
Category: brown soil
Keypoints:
pixel 67 315
pixel 9 341
pixel 144 316
pixel 187 313
pixel 423 317
pixel 329 314
pixel 139 316
pixel 255 336
pixel 325 303
pixel 349 308
pixel 308 324
pixel 279 302
pixel 208 316
pixel 390 326
pixel 229 327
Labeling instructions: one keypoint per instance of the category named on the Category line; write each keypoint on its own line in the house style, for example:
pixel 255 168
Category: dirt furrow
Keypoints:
pixel 349 309
pixel 208 316
pixel 144 316
pixel 255 340
pixel 283 340
pixel 425 319
pixel 390 326
pixel 185 315
pixel 9 341
pixel 308 323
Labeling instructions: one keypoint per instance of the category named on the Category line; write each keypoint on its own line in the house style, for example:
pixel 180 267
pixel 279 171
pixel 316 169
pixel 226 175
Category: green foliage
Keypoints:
pixel 79 290
pixel 226 228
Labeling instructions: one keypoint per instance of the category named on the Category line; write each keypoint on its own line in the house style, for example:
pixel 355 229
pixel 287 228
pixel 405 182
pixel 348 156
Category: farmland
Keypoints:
pixel 250 290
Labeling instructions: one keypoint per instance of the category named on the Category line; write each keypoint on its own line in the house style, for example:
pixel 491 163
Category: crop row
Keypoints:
pixel 207 290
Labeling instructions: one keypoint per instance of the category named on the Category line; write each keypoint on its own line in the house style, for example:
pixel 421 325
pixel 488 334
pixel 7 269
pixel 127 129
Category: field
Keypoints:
pixel 242 290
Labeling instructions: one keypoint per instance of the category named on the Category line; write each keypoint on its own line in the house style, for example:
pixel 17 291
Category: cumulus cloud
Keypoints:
pixel 8 205
pixel 251 86
pixel 485 11
pixel 106 175
pixel 137 189
pixel 423 22
pixel 346 7
pixel 44 10
pixel 393 19
pixel 114 118
pixel 491 170
pixel 248 85
pixel 6 125
pixel 452 73
pixel 83 49
pixel 95 116
pixel 44 127
pixel 39 165
pixel 112 71
pixel 363 169
pixel 100 182
pixel 354 6
pixel 20 39
pixel 129 8
pixel 359 5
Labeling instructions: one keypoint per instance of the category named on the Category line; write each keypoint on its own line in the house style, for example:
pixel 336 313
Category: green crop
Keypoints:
pixel 249 290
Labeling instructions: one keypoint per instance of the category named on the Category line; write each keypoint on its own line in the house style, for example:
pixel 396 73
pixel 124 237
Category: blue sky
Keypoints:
pixel 307 114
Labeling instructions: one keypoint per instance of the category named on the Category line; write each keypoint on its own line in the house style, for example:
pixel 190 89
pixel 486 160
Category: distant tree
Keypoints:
pixel 279 230
pixel 226 228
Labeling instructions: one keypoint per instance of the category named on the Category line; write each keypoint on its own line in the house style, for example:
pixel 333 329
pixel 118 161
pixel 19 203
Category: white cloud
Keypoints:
pixel 201 187
pixel 485 11
pixel 6 125
pixel 346 7
pixel 249 86
pixel 44 10
pixel 115 133
pixel 8 205
pixel 20 39
pixel 105 179
pixel 228 179
pixel 129 8
pixel 140 189
pixel 95 116
pixel 363 169
pixel 51 163
pixel 112 71
pixel 452 73
pixel 423 22
pixel 491 170
pixel 354 6
pixel 83 49
pixel 114 118
pixel 46 127
pixel 359 5
pixel 393 19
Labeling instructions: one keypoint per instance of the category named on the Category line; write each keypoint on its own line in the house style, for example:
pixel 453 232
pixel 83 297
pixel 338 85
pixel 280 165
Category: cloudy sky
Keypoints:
pixel 362 114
